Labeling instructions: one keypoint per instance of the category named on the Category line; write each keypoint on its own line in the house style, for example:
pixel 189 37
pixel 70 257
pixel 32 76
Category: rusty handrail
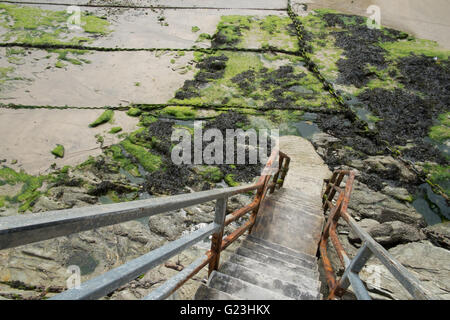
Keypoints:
pixel 213 255
pixel 39 227
pixel 370 247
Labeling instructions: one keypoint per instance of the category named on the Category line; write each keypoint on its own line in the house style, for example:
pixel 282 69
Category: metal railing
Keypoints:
pixel 24 229
pixel 369 247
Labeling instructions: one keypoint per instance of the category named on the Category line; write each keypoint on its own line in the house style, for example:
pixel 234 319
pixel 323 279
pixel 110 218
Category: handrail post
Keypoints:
pixel 275 178
pixel 216 241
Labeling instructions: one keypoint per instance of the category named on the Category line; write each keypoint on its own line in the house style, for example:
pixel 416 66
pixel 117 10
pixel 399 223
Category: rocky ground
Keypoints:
pixel 125 154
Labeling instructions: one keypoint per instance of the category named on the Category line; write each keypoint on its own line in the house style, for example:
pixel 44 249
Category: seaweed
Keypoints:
pixel 106 116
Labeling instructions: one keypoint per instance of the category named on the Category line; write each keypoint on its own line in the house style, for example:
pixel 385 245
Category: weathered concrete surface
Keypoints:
pixel 110 79
pixel 168 28
pixel 306 170
pixel 293 217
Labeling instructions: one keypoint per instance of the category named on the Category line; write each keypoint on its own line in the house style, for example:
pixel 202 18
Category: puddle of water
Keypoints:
pixel 306 129
pixel 431 206
pixel 443 147
pixel 362 112
pixel 131 178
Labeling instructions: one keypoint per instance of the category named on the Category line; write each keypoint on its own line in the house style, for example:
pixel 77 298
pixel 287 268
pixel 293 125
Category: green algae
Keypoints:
pixel 441 132
pixel 115 152
pixel 58 151
pixel 33 25
pixel 149 161
pixel 203 37
pixel 405 48
pixel 439 175
pixel 115 130
pixel 229 179
pixel 29 192
pixel 212 174
pixel 264 32
pixel 103 118
pixel 229 88
pixel 182 113
pixel 60 64
pixel 134 112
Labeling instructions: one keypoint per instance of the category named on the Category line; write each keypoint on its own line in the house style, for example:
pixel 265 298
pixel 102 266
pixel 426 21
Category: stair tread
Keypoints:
pixel 277 262
pixel 279 255
pixel 242 289
pixel 281 272
pixel 207 293
pixel 274 284
pixel 296 196
pixel 281 248
pixel 281 223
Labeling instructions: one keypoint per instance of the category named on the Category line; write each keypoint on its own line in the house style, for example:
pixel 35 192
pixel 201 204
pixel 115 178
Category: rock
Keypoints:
pixel 46 204
pixel 168 225
pixel 72 196
pixel 45 263
pixel 374 205
pixel 395 232
pixel 366 225
pixel 323 140
pixel 439 234
pixel 237 202
pixel 387 167
pixel 428 263
pixel 398 193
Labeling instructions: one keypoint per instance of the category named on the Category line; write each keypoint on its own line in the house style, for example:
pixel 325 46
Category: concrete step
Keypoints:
pixel 288 289
pixel 298 200
pixel 289 226
pixel 279 255
pixel 281 248
pixel 207 293
pixel 280 272
pixel 242 289
pixel 314 274
pixel 297 196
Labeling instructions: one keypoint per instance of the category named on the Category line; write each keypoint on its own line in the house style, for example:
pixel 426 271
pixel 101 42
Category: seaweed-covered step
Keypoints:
pixel 242 289
pixel 280 272
pixel 295 291
pixel 279 255
pixel 207 293
pixel 278 263
pixel 282 249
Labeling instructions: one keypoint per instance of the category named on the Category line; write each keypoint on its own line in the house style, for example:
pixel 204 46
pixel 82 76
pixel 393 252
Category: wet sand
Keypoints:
pixel 423 19
pixel 111 79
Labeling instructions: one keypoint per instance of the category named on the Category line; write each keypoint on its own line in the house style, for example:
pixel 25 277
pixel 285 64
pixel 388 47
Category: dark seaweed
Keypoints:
pixel 361 47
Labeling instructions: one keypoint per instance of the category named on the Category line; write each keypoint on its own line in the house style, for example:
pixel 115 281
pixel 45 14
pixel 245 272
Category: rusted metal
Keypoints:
pixel 37 227
pixel 370 247
pixel 216 241
pixel 228 240
pixel 275 177
pixel 241 212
